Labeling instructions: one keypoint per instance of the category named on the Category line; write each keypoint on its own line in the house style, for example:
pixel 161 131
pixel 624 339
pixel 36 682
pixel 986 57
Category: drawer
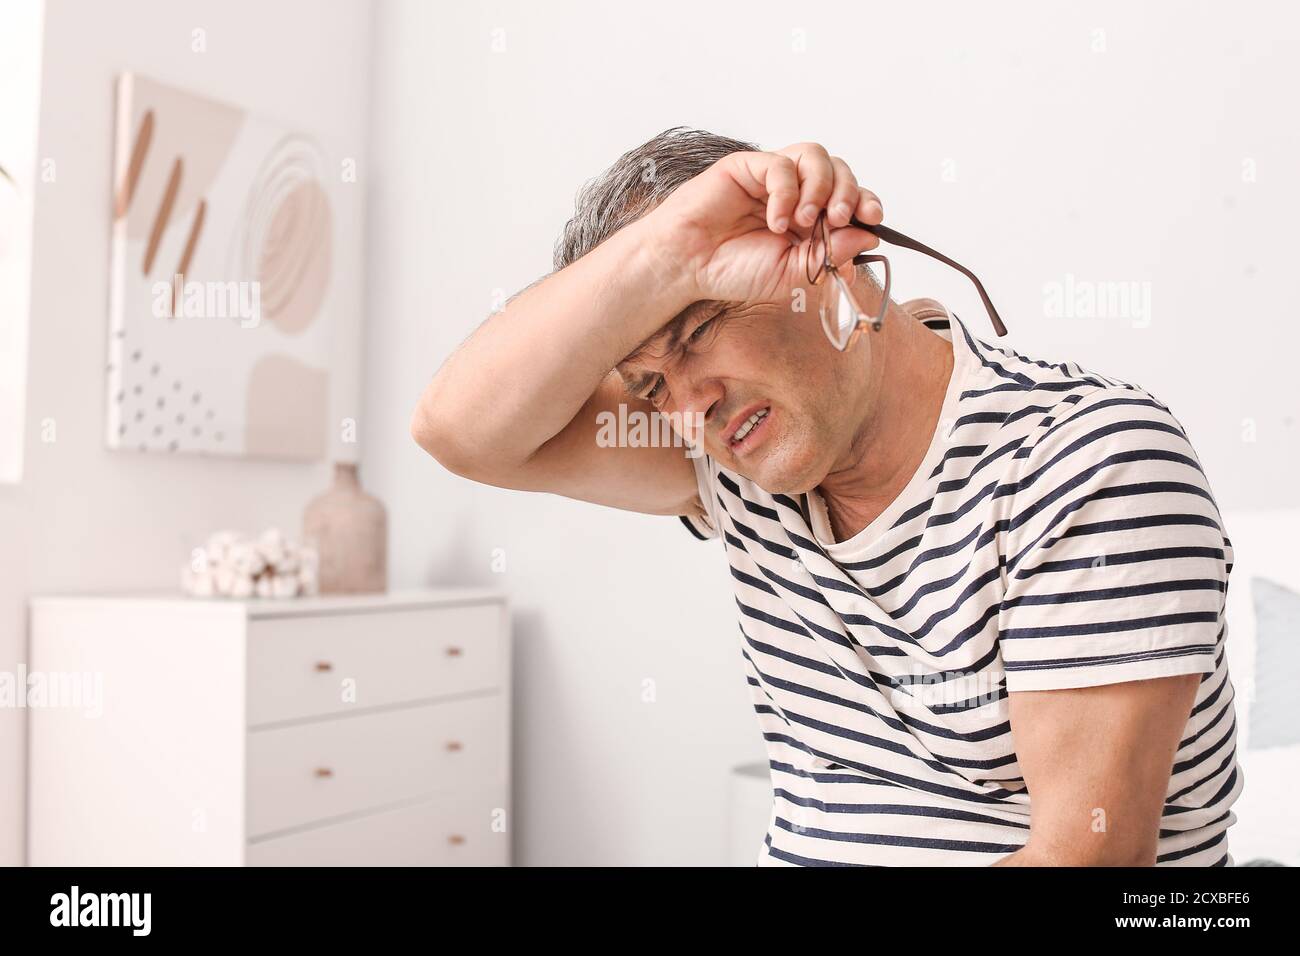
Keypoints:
pixel 317 665
pixel 312 772
pixel 449 830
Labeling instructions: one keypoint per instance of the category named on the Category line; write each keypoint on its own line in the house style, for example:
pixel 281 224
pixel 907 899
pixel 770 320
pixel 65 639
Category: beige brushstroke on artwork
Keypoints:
pixel 163 215
pixel 294 269
pixel 139 151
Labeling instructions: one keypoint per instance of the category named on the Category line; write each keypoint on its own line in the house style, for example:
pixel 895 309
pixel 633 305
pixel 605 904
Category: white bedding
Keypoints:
pixel 1268 812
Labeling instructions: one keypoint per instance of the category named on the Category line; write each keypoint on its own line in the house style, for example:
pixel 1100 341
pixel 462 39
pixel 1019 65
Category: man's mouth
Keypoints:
pixel 745 433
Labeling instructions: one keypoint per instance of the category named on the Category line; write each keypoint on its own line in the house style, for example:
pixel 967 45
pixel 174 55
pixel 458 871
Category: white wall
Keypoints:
pixel 84 518
pixel 20 84
pixel 1107 141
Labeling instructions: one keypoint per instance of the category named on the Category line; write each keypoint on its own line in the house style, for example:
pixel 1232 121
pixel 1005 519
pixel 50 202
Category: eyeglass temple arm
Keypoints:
pixel 896 238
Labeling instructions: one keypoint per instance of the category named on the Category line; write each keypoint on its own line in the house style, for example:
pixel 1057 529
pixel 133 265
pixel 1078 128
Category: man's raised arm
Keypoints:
pixel 524 374
pixel 518 404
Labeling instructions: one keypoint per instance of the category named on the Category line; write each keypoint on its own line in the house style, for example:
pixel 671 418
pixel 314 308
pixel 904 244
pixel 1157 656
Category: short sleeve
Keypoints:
pixel 704 525
pixel 1115 554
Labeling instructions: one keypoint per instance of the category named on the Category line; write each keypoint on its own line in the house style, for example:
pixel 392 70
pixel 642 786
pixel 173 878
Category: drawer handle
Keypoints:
pixel 455 839
pixel 455 746
pixel 324 666
pixel 324 772
pixel 454 652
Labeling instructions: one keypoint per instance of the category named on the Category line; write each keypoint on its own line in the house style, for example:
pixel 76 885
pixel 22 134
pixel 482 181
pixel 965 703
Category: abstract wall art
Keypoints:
pixel 228 291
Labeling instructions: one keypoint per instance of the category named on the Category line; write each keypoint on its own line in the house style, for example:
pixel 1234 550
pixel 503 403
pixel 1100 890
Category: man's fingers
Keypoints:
pixel 844 199
pixel 848 242
pixel 870 209
pixel 816 180
pixel 781 180
pixel 854 242
pixel 797 183
pixel 768 178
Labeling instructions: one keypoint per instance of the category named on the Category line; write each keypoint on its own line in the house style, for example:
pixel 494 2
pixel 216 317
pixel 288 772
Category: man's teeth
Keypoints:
pixel 753 420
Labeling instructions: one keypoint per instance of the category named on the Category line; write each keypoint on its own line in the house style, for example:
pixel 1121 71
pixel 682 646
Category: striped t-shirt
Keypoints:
pixel 1059 533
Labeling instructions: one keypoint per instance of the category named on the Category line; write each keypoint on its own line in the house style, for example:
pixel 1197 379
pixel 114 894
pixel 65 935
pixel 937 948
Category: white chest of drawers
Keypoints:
pixel 327 731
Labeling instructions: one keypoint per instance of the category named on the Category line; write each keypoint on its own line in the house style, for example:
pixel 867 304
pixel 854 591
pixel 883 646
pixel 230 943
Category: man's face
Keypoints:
pixel 724 363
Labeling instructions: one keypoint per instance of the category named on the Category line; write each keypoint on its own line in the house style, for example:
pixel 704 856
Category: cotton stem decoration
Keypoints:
pixel 268 566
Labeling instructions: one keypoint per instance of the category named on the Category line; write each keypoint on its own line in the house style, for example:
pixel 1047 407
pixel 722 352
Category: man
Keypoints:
pixel 980 596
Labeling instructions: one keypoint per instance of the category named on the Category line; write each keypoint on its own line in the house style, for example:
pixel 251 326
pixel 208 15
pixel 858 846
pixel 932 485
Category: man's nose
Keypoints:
pixel 702 399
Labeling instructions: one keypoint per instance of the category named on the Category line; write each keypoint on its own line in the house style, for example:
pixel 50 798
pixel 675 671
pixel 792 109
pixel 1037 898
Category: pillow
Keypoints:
pixel 1263 543
pixel 1275 710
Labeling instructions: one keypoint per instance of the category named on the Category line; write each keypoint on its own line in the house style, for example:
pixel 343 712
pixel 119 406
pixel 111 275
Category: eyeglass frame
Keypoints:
pixel 896 238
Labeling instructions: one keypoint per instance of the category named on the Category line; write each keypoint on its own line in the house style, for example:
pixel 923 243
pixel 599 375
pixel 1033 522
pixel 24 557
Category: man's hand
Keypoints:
pixel 741 230
pixel 1097 761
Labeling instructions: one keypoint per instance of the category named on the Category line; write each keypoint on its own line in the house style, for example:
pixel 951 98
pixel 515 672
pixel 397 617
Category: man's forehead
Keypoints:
pixel 663 341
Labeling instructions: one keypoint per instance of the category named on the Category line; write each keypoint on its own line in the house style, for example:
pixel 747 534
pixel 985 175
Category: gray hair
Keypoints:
pixel 639 180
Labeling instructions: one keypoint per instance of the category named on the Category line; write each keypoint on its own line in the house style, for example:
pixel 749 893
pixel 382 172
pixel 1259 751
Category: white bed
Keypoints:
pixel 1265 544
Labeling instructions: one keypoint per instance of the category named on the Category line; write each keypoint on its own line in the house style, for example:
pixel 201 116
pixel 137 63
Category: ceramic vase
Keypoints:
pixel 349 529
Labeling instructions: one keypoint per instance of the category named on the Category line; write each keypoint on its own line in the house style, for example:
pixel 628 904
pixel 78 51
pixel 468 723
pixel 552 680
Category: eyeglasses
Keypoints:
pixel 843 321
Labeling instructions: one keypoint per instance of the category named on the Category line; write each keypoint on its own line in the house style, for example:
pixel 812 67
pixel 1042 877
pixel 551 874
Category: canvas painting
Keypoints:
pixel 228 291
